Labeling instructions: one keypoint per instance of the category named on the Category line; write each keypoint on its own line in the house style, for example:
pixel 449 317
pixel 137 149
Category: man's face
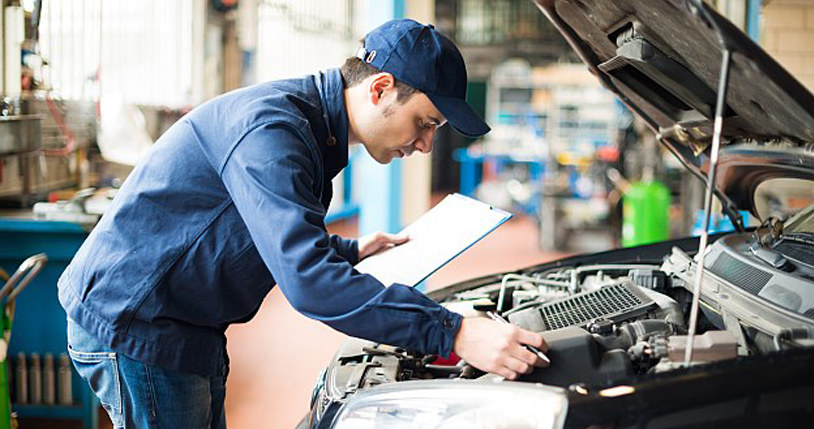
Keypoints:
pixel 395 130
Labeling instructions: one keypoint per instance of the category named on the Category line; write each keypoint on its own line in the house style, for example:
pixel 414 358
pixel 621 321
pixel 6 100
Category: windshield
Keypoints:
pixel 782 198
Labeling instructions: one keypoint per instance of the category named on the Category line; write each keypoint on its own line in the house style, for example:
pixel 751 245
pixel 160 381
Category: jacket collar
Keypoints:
pixel 331 93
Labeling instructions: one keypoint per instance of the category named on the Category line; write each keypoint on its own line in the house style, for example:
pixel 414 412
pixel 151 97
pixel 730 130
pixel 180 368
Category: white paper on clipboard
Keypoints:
pixel 437 237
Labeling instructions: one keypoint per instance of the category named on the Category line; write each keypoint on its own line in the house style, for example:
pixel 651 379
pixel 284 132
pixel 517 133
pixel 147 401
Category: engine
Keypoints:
pixel 603 323
pixel 609 323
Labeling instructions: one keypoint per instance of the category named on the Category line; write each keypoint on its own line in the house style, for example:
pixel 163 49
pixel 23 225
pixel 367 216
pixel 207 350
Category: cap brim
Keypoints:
pixel 460 116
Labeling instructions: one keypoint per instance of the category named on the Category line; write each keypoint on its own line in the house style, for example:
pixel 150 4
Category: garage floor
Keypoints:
pixel 276 357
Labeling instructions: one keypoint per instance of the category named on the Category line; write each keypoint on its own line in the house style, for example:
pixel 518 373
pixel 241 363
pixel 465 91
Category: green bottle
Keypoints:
pixel 645 214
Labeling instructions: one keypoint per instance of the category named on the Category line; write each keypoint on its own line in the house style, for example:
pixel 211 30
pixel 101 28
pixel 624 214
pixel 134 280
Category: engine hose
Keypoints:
pixel 629 334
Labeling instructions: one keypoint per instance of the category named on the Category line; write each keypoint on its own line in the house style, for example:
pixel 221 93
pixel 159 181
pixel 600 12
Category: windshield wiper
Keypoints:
pixel 764 239
pixel 771 257
pixel 799 237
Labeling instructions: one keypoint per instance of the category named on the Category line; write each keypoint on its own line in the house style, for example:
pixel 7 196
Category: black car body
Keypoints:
pixel 617 321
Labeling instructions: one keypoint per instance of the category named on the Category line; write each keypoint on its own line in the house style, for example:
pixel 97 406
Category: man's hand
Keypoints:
pixel 377 241
pixel 498 347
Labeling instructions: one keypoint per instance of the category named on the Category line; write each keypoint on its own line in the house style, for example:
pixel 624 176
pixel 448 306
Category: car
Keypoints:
pixel 619 323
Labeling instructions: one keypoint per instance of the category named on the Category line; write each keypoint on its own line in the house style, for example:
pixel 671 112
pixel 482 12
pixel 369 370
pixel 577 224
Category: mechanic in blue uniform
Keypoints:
pixel 231 201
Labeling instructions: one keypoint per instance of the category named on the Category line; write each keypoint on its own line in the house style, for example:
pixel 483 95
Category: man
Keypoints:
pixel 231 201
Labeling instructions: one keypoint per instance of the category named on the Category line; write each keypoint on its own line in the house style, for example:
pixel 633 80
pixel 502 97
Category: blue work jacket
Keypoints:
pixel 230 201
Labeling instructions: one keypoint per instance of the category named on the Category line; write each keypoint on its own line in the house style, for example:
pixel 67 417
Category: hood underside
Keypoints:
pixel 663 57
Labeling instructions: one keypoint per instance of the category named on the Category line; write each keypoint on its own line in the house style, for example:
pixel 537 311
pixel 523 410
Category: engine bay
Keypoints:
pixel 609 323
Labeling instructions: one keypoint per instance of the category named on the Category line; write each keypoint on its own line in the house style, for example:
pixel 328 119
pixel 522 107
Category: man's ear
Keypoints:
pixel 381 84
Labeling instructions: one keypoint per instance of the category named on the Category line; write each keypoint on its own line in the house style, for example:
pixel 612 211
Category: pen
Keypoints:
pixel 496 317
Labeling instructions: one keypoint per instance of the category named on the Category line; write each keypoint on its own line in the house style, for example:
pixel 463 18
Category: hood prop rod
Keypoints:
pixel 713 166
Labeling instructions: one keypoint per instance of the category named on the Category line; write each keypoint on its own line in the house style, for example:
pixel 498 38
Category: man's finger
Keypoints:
pixel 526 356
pixel 518 366
pixel 532 339
pixel 539 361
pixel 397 239
pixel 506 373
pixel 393 239
pixel 529 356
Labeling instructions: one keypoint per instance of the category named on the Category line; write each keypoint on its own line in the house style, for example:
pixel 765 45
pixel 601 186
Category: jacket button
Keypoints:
pixel 331 141
pixel 447 323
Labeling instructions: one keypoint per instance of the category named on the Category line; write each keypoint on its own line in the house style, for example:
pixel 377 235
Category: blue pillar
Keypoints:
pixel 380 201
pixel 753 9
pixel 398 9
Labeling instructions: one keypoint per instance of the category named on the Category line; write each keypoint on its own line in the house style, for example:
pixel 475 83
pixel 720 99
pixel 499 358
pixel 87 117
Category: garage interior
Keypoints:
pixel 90 85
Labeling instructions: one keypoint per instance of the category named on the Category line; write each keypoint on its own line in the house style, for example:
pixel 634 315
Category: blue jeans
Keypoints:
pixel 137 395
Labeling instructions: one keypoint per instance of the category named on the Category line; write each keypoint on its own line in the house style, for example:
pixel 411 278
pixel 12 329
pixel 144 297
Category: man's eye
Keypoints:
pixel 426 125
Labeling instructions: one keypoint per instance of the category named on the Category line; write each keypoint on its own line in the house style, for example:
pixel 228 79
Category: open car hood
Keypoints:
pixel 662 59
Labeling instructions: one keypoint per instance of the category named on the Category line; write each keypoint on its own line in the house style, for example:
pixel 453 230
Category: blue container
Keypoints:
pixel 717 222
pixel 40 322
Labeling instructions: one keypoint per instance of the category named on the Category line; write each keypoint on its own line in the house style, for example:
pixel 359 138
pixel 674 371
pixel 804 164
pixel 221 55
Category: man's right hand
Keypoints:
pixel 498 347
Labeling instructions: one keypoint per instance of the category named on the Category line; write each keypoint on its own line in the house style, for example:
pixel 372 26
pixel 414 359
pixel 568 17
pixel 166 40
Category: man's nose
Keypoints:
pixel 424 143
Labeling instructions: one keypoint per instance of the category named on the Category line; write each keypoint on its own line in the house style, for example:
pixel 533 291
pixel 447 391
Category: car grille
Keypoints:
pixel 798 251
pixel 616 302
pixel 740 274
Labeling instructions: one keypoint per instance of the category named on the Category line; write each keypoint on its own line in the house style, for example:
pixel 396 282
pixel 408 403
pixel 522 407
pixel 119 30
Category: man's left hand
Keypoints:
pixel 377 241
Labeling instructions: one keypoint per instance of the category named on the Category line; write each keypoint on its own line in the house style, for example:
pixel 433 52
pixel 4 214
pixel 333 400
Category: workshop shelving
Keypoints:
pixel 40 322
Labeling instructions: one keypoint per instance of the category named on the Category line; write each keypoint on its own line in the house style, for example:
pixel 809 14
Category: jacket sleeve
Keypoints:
pixel 270 176
pixel 347 248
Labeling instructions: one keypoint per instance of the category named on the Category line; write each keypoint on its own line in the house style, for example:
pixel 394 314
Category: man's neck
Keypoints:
pixel 350 94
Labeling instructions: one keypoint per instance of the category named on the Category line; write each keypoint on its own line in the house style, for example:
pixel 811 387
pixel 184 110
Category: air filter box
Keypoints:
pixel 614 303
pixel 576 357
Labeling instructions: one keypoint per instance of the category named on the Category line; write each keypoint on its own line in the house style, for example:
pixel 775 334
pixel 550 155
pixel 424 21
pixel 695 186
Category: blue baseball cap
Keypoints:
pixel 425 59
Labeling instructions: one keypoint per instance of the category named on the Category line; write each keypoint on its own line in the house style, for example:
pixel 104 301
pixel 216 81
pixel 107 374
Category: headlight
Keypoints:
pixel 448 404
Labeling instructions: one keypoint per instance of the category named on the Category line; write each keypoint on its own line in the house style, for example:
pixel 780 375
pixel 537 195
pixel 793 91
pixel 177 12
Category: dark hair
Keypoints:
pixel 354 71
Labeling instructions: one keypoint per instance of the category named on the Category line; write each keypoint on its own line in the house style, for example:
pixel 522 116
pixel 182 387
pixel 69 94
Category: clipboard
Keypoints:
pixel 437 237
